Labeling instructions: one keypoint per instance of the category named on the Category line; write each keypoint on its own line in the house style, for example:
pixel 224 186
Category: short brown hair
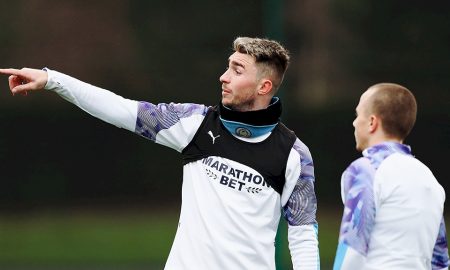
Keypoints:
pixel 396 107
pixel 271 54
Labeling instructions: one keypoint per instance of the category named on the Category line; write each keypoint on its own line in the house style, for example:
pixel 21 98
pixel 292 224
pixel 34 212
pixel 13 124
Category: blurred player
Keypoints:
pixel 393 205
pixel 242 167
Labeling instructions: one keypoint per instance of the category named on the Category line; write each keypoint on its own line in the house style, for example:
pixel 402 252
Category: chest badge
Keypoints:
pixel 243 132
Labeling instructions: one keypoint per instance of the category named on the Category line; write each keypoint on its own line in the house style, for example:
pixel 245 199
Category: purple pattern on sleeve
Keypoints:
pixel 306 162
pixel 359 205
pixel 440 258
pixel 302 204
pixel 152 118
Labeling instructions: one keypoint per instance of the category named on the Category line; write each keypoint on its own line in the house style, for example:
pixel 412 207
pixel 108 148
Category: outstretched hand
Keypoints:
pixel 26 79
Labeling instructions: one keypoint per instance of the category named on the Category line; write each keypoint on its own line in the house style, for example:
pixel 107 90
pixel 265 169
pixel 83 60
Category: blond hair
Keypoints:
pixel 271 56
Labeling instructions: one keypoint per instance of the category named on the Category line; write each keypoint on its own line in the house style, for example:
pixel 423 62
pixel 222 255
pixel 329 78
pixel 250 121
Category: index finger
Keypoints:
pixel 10 71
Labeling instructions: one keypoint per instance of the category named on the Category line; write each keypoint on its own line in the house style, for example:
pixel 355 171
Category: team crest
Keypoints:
pixel 243 132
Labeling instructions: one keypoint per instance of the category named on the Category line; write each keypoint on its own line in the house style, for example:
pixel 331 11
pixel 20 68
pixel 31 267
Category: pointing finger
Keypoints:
pixel 10 71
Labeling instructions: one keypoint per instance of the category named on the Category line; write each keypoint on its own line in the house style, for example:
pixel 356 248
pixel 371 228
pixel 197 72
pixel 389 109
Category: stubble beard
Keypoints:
pixel 242 104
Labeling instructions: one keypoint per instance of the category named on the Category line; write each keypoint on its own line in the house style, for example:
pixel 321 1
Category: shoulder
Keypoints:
pixel 359 173
pixel 170 124
pixel 300 147
pixel 359 165
pixel 397 167
pixel 300 152
pixel 300 155
pixel 400 161
pixel 400 165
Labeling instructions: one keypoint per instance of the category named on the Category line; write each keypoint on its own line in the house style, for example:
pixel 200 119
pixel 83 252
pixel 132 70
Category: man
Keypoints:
pixel 242 167
pixel 393 205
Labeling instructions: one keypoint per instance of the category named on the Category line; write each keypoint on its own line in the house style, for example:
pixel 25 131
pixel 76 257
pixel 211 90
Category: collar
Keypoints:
pixel 251 124
pixel 377 153
pixel 267 116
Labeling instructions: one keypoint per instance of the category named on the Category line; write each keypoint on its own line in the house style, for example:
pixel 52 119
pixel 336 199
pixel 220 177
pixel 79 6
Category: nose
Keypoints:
pixel 224 78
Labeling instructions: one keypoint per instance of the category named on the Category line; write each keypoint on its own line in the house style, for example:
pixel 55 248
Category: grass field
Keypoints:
pixel 86 240
pixel 114 239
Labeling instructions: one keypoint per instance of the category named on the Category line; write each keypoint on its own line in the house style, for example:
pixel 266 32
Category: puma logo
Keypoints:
pixel 212 136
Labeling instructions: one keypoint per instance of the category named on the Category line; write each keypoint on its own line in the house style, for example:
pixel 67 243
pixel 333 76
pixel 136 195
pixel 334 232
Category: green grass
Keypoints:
pixel 86 239
pixel 114 239
pixel 123 239
pixel 329 223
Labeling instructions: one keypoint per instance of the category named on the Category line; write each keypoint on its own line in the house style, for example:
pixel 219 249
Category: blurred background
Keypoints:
pixel 77 193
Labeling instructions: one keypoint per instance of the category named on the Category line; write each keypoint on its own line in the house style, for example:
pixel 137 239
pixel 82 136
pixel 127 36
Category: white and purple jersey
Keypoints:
pixel 222 226
pixel 393 213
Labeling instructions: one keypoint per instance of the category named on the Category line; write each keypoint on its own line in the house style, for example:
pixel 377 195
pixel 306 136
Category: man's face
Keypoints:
pixel 240 82
pixel 362 123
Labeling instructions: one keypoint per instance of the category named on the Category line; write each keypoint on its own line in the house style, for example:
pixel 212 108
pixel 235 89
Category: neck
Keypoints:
pixel 251 123
pixel 267 116
pixel 383 138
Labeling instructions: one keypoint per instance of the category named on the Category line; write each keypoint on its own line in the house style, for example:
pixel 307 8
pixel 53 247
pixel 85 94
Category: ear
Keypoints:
pixel 374 123
pixel 265 87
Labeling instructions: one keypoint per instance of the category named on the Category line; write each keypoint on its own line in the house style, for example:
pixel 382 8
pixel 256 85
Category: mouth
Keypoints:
pixel 225 91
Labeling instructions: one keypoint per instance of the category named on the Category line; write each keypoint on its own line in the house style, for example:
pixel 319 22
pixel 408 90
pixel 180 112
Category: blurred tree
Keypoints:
pixel 162 51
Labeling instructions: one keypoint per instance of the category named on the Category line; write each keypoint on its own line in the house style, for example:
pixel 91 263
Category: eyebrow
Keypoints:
pixel 236 63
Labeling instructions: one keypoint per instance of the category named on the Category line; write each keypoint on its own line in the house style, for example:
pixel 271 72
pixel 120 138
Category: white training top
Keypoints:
pixel 221 225
pixel 393 217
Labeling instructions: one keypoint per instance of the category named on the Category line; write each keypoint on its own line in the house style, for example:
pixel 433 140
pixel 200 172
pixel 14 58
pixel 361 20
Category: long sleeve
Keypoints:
pixel 440 258
pixel 300 209
pixel 358 218
pixel 96 101
pixel 393 209
pixel 172 124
